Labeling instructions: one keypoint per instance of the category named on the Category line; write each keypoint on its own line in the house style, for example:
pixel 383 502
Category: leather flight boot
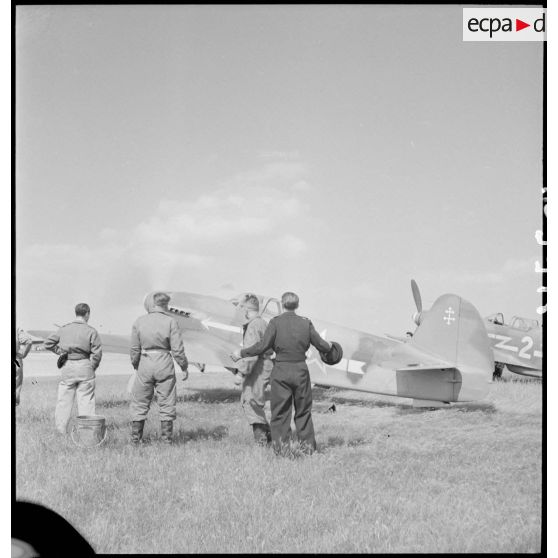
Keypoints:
pixel 259 434
pixel 267 430
pixel 166 431
pixel 137 431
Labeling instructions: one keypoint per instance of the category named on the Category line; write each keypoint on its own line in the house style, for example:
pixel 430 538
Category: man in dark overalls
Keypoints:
pixel 290 336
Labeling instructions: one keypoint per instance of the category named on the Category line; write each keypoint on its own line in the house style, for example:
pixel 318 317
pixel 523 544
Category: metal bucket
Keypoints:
pixel 89 431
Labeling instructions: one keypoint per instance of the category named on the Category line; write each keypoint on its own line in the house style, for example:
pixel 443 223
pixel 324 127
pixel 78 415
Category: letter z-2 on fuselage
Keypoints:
pixel 517 345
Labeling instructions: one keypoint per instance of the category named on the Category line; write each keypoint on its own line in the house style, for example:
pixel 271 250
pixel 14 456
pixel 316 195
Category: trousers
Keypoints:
pixel 77 383
pixel 290 384
pixel 252 397
pixel 18 378
pixel 154 375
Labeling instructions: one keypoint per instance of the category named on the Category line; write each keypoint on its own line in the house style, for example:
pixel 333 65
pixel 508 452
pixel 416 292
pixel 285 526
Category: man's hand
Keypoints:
pixel 238 379
pixel 185 375
pixel 236 355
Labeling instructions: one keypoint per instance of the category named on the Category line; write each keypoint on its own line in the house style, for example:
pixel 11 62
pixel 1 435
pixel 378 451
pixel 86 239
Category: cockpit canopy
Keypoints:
pixel 497 318
pixel 517 322
pixel 524 324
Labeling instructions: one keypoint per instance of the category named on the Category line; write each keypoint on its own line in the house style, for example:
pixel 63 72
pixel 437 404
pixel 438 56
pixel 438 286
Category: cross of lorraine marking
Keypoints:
pixel 449 318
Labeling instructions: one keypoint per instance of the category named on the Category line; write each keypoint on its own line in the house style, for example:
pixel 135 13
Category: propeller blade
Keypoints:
pixel 416 295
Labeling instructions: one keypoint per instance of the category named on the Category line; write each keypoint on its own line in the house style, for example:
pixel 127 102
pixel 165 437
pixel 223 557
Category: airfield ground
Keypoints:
pixel 387 477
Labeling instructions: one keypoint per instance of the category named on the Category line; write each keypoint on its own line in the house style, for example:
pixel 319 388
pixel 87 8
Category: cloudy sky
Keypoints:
pixel 336 151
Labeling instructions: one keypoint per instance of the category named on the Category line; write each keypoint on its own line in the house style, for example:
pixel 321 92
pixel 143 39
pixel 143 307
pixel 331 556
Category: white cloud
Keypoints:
pixel 214 232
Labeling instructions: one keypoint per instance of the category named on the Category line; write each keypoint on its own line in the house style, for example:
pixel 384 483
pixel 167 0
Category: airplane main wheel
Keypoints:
pixel 498 369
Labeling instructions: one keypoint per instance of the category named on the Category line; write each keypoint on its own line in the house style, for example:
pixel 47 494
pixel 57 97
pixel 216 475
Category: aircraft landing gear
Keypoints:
pixel 498 369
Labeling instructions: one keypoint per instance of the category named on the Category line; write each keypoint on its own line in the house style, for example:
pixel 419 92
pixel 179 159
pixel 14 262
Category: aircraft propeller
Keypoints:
pixel 418 301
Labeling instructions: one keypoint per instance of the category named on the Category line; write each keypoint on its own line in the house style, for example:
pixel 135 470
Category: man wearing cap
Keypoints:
pixel 156 340
pixel 81 345
pixel 290 336
pixel 23 346
pixel 255 371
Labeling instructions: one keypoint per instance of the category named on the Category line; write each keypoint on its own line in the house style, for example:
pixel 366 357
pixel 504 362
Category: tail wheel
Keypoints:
pixel 498 369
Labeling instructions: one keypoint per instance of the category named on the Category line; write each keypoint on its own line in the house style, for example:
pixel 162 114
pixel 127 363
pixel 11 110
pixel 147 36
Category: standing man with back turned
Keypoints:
pixel 82 346
pixel 156 340
pixel 290 336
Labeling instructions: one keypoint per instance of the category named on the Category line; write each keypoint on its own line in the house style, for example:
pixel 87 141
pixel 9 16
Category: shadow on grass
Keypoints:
pixel 215 433
pixel 328 397
pixel 339 441
pixel 112 403
pixel 211 395
pixel 119 435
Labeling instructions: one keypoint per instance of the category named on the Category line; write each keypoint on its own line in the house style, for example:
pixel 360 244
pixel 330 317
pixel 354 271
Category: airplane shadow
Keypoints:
pixel 339 441
pixel 112 403
pixel 179 436
pixel 401 409
pixel 487 408
pixel 215 433
pixel 210 395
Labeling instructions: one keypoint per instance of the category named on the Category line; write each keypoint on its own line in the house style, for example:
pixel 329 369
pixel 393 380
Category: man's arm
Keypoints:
pixel 135 348
pixel 177 346
pixel 51 343
pixel 262 346
pixel 254 333
pixel 96 350
pixel 25 343
pixel 320 344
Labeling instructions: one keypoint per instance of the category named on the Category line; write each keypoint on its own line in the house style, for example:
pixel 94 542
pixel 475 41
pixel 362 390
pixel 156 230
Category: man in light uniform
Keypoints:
pixel 290 336
pixel 155 341
pixel 82 344
pixel 255 372
pixel 22 348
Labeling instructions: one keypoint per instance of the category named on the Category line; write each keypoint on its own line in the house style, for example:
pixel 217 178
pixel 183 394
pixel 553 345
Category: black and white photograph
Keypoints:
pixel 279 279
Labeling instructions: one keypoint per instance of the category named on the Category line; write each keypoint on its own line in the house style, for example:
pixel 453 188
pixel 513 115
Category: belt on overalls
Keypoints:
pixel 147 352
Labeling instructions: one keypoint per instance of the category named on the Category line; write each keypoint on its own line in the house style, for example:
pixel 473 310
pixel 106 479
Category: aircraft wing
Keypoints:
pixel 199 345
pixel 39 335
pixel 203 347
pixel 396 338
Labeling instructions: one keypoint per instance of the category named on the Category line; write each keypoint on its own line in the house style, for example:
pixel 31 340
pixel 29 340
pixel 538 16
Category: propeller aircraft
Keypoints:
pixel 448 358
pixel 517 345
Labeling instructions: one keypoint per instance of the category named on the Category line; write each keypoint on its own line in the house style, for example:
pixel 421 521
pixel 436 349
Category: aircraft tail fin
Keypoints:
pixel 454 331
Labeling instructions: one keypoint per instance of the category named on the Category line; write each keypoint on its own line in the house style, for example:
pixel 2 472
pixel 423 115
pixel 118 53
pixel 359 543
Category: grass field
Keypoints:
pixel 387 477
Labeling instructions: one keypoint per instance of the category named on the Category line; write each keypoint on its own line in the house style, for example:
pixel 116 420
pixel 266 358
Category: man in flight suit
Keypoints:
pixel 290 336
pixel 155 341
pixel 82 345
pixel 255 372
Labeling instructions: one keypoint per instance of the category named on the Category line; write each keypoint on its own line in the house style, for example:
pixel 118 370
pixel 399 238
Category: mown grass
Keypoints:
pixel 387 477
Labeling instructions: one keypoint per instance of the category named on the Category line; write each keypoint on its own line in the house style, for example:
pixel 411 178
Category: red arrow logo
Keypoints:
pixel 519 25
